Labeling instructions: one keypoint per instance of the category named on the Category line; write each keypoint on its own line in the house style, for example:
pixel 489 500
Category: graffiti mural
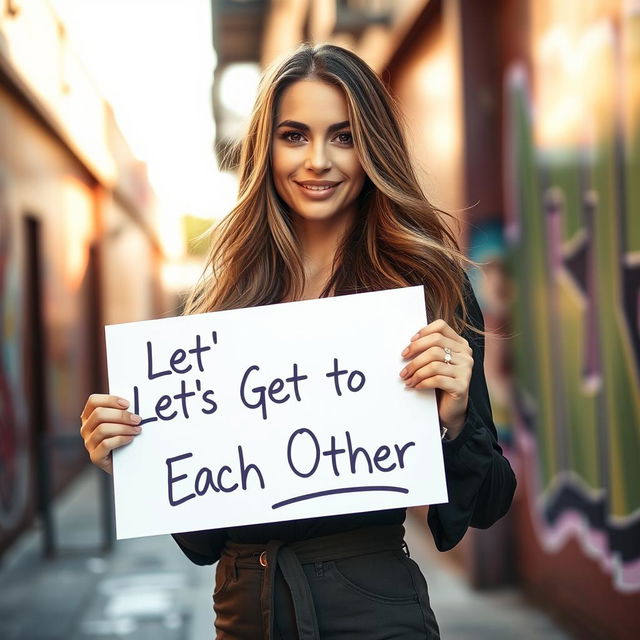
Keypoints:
pixel 574 232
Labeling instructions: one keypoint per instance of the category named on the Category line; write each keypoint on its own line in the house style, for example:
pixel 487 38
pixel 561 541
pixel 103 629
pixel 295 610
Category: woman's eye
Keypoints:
pixel 345 138
pixel 290 136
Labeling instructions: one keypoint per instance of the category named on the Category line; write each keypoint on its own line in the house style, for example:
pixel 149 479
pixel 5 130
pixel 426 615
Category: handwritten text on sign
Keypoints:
pixel 273 413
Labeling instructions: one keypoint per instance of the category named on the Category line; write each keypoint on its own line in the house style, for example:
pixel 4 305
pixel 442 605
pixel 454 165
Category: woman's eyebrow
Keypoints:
pixel 304 127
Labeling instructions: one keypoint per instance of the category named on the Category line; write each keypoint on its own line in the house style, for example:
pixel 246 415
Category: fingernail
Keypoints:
pixel 135 419
pixel 123 403
pixel 403 373
pixel 137 429
pixel 415 337
pixel 404 353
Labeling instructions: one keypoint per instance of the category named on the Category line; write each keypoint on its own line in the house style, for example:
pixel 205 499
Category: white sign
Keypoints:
pixel 273 413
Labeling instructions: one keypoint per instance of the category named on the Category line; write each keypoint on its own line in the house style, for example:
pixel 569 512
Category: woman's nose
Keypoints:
pixel 317 158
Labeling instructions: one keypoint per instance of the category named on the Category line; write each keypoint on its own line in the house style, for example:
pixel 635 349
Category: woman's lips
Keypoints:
pixel 318 192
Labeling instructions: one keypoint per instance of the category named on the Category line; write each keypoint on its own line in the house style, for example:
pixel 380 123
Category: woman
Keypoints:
pixel 329 205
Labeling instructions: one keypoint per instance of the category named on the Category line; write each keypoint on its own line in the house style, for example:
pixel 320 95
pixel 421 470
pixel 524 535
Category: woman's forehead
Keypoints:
pixel 312 99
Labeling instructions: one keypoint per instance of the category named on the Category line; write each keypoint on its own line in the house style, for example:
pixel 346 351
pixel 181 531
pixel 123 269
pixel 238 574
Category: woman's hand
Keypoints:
pixel 440 359
pixel 106 425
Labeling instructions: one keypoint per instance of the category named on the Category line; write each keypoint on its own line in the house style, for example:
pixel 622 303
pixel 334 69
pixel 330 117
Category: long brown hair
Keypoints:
pixel 398 239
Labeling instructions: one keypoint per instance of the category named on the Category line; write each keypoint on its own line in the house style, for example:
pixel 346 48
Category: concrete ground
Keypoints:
pixel 147 590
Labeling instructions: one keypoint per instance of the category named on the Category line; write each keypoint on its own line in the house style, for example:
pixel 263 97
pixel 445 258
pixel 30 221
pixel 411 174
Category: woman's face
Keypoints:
pixel 316 170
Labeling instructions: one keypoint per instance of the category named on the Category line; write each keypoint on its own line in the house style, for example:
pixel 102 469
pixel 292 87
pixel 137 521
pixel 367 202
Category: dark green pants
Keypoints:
pixel 359 584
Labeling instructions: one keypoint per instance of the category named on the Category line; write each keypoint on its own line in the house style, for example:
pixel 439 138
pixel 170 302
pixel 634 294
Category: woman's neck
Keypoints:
pixel 319 242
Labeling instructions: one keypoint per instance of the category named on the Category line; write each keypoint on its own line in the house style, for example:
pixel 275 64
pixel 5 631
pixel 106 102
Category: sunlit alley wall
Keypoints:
pixel 73 200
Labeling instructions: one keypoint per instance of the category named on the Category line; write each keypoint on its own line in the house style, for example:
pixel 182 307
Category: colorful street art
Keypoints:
pixel 573 228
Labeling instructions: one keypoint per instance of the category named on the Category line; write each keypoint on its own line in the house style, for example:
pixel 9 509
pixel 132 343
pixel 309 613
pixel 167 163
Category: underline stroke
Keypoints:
pixel 329 492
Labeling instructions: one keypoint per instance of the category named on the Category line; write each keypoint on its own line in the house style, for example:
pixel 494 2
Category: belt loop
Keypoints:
pixel 319 569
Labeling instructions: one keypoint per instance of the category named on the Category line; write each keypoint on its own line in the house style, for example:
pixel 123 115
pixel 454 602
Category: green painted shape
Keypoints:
pixel 568 412
pixel 533 357
pixel 631 100
pixel 621 385
pixel 581 405
pixel 563 172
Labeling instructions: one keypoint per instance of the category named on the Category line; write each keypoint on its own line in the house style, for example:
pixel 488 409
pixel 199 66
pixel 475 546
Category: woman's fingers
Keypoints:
pixel 454 387
pixel 107 425
pixel 439 327
pixel 101 455
pixel 434 361
pixel 438 375
pixel 438 358
pixel 106 414
pixel 438 368
pixel 96 400
pixel 431 341
pixel 436 353
pixel 105 431
pixel 436 339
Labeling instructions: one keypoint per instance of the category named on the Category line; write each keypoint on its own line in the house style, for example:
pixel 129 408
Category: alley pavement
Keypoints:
pixel 145 589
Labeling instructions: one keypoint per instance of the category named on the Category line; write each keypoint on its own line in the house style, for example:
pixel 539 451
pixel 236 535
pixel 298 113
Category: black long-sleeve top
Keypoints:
pixel 480 482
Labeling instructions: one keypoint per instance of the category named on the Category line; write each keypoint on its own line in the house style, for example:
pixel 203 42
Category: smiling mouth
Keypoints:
pixel 310 188
pixel 317 188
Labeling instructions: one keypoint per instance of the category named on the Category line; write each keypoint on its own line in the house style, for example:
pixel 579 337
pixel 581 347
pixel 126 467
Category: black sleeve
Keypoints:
pixel 201 547
pixel 480 481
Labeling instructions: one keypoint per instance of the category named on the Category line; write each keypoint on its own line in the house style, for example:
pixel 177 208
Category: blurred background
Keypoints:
pixel 117 124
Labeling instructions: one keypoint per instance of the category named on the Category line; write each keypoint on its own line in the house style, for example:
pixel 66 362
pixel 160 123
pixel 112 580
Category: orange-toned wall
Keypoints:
pixel 426 83
pixel 43 186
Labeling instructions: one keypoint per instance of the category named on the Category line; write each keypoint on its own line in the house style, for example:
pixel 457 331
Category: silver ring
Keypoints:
pixel 447 355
